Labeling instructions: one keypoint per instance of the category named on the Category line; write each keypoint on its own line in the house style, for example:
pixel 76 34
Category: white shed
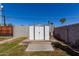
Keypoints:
pixel 39 32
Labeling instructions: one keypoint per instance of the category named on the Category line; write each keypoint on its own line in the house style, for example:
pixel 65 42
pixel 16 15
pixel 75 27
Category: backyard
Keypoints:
pixel 14 49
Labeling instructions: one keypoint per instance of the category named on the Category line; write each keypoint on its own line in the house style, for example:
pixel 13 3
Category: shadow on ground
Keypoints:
pixel 67 49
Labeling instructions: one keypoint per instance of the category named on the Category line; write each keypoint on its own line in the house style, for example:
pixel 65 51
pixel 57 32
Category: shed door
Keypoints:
pixel 39 33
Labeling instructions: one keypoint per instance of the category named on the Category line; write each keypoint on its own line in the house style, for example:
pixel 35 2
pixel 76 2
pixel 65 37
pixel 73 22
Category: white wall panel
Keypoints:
pixel 46 32
pixel 31 32
pixel 37 30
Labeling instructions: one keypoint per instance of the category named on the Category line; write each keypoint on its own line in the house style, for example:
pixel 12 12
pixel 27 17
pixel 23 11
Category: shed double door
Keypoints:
pixel 39 33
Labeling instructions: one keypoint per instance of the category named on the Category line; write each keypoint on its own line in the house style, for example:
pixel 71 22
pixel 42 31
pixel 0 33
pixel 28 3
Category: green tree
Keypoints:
pixel 48 22
pixel 62 20
pixel 0 24
pixel 10 24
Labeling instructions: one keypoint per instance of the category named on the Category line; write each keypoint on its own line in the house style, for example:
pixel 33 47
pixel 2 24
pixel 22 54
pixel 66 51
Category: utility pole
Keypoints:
pixel 4 20
pixel 3 15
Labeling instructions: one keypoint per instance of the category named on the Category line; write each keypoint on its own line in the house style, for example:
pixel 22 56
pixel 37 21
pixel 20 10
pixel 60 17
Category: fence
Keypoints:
pixel 20 31
pixel 6 30
pixel 68 34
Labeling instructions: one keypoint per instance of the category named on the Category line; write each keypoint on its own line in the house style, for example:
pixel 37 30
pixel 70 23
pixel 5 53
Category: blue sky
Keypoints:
pixel 28 14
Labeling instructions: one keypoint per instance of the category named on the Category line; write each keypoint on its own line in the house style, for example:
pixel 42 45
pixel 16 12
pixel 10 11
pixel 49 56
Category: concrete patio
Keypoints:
pixel 40 46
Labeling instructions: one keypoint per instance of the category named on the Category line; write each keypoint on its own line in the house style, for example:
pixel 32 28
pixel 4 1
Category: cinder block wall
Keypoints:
pixel 20 31
pixel 61 32
pixel 73 33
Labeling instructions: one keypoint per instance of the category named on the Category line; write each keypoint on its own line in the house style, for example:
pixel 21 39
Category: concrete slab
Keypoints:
pixel 24 42
pixel 40 46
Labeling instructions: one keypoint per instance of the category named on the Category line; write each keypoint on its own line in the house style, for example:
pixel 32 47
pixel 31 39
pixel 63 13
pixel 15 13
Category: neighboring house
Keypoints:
pixel 71 37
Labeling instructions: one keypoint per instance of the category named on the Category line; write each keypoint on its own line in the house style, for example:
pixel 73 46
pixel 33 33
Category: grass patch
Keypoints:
pixel 17 51
pixel 5 37
pixel 6 46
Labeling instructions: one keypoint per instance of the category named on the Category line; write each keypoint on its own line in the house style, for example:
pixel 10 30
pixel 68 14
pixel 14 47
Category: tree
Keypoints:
pixel 0 24
pixel 51 23
pixel 48 22
pixel 62 20
pixel 10 24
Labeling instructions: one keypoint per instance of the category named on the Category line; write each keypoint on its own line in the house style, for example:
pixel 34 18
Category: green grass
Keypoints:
pixel 5 37
pixel 6 46
pixel 14 49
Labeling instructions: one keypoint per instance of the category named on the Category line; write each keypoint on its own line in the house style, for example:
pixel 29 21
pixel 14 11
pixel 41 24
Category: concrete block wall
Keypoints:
pixel 73 33
pixel 61 32
pixel 20 31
